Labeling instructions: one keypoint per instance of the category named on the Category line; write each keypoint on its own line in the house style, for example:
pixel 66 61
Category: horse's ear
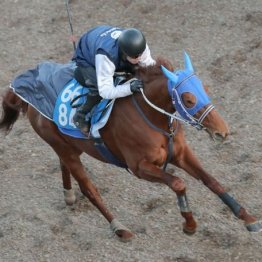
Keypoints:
pixel 188 64
pixel 170 75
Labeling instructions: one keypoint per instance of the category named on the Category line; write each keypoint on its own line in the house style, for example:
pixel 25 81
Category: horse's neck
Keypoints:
pixel 157 93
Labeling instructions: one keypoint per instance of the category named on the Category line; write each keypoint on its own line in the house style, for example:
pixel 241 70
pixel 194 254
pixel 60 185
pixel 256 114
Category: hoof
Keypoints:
pixel 189 230
pixel 125 235
pixel 121 231
pixel 254 227
pixel 69 196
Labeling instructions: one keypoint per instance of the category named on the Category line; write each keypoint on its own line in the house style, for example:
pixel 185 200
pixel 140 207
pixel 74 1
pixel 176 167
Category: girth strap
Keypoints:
pixel 169 152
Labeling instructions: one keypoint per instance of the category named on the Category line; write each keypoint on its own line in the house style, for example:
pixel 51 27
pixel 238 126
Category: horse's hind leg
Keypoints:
pixel 74 166
pixel 191 165
pixel 90 191
pixel 69 193
pixel 70 157
pixel 150 172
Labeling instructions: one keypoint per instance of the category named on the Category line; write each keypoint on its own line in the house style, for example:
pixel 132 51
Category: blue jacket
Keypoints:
pixel 99 40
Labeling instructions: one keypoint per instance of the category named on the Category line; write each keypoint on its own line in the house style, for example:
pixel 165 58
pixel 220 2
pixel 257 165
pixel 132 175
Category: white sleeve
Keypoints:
pixel 146 58
pixel 105 70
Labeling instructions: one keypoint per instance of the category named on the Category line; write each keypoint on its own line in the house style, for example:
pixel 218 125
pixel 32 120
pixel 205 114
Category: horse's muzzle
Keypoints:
pixel 218 136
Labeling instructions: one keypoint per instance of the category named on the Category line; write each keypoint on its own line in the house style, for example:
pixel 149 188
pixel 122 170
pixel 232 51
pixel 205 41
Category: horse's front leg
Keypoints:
pixel 152 173
pixel 191 165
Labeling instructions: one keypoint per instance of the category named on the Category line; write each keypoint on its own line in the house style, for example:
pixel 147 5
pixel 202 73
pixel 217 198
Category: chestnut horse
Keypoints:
pixel 145 133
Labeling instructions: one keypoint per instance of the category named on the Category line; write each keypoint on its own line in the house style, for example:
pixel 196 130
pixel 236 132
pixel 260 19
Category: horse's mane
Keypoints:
pixel 164 62
pixel 149 72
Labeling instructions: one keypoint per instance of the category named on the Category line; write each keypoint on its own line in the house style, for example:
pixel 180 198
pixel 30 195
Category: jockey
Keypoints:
pixel 100 53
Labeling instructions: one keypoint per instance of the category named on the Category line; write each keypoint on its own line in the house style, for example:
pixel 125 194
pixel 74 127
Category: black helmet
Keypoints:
pixel 132 42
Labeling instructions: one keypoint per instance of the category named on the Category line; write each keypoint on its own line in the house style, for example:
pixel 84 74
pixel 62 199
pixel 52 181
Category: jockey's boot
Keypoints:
pixel 82 117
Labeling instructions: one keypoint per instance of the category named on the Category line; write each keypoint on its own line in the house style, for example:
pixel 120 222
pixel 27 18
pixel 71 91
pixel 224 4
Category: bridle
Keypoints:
pixel 193 85
pixel 180 82
pixel 184 116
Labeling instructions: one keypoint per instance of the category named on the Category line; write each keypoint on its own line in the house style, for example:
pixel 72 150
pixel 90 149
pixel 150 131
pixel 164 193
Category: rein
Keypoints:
pixel 197 123
pixel 165 133
pixel 173 116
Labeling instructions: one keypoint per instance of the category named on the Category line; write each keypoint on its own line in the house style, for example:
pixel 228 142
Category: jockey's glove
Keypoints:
pixel 135 85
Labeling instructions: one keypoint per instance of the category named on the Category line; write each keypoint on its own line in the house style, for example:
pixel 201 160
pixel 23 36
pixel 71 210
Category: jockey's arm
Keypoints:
pixel 105 70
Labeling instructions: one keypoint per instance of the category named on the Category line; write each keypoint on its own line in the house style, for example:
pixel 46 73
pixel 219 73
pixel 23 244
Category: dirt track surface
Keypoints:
pixel 224 41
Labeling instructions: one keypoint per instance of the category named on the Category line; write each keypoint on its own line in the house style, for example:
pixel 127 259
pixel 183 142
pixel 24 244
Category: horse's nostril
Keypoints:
pixel 219 136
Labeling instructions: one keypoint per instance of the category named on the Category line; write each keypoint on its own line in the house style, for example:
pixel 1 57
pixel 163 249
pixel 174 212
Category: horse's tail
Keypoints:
pixel 12 105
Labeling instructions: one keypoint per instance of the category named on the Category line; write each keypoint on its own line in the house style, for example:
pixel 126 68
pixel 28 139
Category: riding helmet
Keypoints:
pixel 132 42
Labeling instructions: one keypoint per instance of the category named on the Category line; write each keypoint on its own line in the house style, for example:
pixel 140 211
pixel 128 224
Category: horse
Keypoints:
pixel 145 132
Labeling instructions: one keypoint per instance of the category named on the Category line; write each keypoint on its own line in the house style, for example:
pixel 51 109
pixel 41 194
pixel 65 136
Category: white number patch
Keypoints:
pixel 65 111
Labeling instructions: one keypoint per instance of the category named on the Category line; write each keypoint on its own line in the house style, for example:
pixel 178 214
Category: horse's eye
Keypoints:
pixel 189 100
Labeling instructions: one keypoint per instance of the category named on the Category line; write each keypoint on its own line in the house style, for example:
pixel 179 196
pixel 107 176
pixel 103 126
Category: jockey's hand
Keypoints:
pixel 135 86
